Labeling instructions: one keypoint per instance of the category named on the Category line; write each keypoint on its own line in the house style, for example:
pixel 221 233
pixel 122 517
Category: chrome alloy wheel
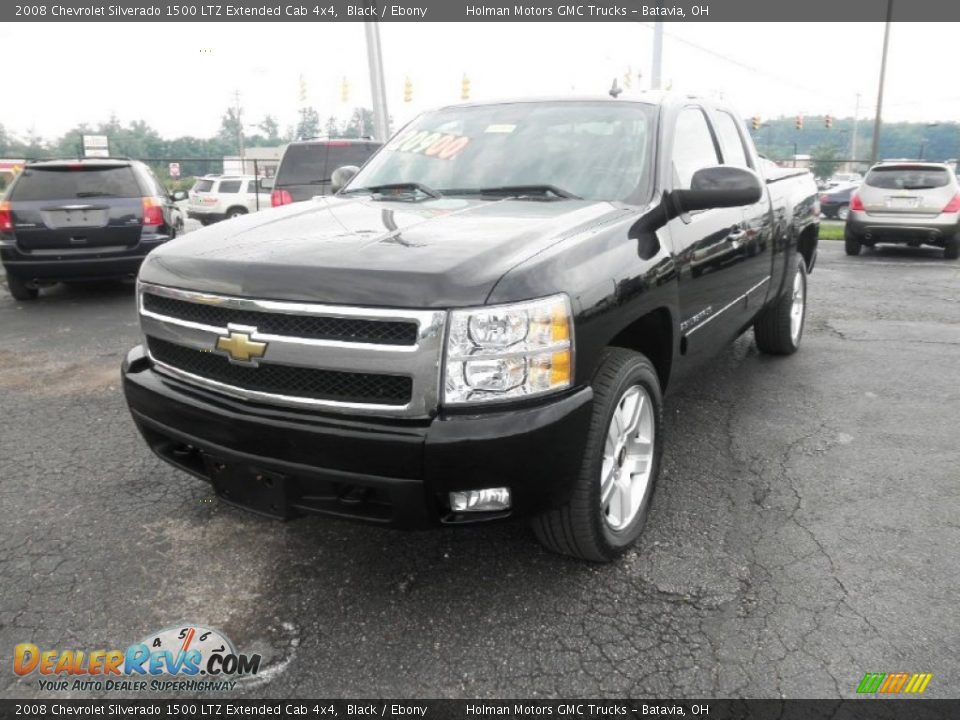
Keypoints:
pixel 627 458
pixel 797 307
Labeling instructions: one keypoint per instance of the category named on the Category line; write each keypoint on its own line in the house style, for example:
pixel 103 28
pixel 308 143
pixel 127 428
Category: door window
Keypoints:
pixel 733 151
pixel 693 147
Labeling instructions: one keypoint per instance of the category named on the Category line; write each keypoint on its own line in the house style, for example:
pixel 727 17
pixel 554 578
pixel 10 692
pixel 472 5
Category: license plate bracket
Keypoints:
pixel 260 491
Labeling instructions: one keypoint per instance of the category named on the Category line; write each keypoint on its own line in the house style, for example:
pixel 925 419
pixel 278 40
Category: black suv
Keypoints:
pixel 81 220
pixel 307 165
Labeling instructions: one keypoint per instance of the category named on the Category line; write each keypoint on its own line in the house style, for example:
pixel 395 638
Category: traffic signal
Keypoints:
pixel 628 78
pixel 799 122
pixel 828 121
pixel 465 88
pixel 407 90
pixel 755 121
pixel 345 91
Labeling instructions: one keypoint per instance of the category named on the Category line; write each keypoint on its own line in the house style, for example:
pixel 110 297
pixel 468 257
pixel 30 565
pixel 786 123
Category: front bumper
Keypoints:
pixel 284 463
pixel 902 228
pixel 209 216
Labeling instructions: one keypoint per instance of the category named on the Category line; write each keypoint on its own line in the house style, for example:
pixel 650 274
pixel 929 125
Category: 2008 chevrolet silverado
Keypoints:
pixel 481 323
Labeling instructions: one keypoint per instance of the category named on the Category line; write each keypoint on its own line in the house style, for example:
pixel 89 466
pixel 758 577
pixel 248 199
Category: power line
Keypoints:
pixel 745 66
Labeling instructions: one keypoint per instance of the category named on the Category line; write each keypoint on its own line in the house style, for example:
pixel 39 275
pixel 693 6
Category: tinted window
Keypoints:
pixel 731 140
pixel 156 187
pixel 203 186
pixel 230 186
pixel 303 165
pixel 907 178
pixel 252 186
pixel 693 147
pixel 353 154
pixel 70 182
pixel 598 151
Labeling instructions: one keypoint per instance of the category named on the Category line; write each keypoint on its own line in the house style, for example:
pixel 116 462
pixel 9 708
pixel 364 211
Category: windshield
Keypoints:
pixel 593 150
pixel 907 178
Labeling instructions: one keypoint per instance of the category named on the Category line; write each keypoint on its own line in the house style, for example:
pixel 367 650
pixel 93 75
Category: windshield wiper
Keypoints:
pixel 518 191
pixel 92 193
pixel 397 188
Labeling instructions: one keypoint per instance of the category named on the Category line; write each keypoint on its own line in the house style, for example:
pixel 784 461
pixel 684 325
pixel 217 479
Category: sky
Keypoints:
pixel 180 77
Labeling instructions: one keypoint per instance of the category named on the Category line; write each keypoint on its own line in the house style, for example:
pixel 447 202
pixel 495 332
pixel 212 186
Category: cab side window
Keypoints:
pixel 732 141
pixel 693 147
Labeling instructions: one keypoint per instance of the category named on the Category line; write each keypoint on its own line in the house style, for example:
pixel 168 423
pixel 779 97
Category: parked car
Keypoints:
pixel 912 203
pixel 836 203
pixel 839 180
pixel 219 197
pixel 81 219
pixel 306 166
pixel 481 324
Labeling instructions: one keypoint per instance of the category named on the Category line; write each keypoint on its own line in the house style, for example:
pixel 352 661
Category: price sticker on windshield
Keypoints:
pixel 443 146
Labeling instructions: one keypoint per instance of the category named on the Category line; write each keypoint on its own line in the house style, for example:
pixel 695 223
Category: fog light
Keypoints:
pixel 486 500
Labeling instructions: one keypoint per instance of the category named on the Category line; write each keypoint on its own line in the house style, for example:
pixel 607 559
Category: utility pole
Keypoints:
pixel 875 152
pixel 853 138
pixel 378 90
pixel 657 63
pixel 237 110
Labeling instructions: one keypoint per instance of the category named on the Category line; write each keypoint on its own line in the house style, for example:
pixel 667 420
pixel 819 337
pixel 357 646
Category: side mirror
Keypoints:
pixel 341 176
pixel 719 187
pixel 265 183
pixel 179 195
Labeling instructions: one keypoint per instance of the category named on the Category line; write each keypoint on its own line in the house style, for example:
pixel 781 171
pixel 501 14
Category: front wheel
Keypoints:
pixel 608 505
pixel 779 327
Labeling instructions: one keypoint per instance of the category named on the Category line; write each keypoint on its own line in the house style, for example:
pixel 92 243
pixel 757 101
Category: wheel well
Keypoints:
pixel 651 335
pixel 241 208
pixel 807 245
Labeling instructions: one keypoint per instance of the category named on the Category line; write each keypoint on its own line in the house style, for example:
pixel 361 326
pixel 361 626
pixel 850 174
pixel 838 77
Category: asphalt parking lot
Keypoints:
pixel 804 532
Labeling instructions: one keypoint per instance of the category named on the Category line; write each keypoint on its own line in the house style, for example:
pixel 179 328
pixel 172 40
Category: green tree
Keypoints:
pixel 271 130
pixel 823 163
pixel 231 128
pixel 309 125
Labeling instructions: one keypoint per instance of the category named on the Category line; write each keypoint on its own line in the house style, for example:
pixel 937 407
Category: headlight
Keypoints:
pixel 509 351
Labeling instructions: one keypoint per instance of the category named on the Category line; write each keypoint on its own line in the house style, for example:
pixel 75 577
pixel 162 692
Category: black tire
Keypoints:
pixel 772 329
pixel 951 248
pixel 235 212
pixel 851 243
pixel 578 527
pixel 20 290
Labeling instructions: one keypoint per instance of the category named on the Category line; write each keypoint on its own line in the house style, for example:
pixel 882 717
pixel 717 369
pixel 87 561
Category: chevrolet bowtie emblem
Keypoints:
pixel 240 347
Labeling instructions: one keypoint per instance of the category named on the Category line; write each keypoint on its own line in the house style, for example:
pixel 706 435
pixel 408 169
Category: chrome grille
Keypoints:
pixel 385 332
pixel 346 359
pixel 284 379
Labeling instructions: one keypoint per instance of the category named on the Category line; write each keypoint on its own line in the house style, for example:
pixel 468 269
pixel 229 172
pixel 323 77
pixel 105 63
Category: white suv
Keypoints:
pixel 219 197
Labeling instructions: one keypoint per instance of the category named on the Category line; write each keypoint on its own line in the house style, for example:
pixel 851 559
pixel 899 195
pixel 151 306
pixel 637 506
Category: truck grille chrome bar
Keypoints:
pixel 343 359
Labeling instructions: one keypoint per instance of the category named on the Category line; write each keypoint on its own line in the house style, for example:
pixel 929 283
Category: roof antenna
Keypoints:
pixel 615 89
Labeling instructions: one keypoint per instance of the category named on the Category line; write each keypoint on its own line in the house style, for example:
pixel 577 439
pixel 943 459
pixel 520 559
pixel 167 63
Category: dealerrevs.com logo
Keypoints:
pixel 189 658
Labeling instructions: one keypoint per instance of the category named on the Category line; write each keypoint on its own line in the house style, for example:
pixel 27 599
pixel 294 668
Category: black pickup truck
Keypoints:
pixel 480 324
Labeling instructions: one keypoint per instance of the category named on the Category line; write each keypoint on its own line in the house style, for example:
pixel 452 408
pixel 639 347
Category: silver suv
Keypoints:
pixel 911 203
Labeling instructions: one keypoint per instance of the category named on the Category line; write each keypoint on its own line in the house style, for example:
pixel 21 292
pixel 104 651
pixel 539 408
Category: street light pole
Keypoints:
pixel 378 90
pixel 853 139
pixel 875 152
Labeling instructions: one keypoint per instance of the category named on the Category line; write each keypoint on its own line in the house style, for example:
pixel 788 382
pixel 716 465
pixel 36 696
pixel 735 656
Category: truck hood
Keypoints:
pixel 360 251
